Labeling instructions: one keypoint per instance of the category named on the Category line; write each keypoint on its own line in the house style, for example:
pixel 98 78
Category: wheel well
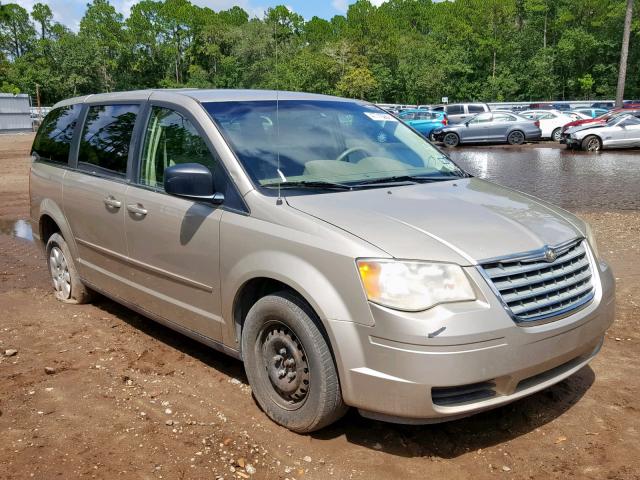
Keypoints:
pixel 254 290
pixel 48 227
pixel 251 292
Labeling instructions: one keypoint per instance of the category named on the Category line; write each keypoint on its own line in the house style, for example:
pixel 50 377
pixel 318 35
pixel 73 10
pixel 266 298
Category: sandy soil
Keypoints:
pixel 127 398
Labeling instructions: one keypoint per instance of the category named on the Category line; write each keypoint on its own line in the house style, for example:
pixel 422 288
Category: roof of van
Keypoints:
pixel 203 95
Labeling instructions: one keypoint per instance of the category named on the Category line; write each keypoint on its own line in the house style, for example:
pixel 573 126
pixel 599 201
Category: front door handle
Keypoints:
pixel 110 201
pixel 137 209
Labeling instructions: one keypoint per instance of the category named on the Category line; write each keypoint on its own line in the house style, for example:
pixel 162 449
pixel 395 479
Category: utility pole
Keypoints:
pixel 624 54
pixel 38 101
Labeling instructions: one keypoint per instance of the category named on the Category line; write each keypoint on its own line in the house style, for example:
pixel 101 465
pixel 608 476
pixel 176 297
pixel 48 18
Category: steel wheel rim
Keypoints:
pixel 450 139
pixel 517 138
pixel 283 359
pixel 60 275
pixel 593 145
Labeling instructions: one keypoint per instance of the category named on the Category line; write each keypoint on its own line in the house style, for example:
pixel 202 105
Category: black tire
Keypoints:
pixel 451 139
pixel 556 135
pixel 280 328
pixel 516 138
pixel 591 143
pixel 66 282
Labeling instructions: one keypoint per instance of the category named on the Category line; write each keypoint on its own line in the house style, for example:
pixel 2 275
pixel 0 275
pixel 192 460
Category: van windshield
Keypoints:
pixel 325 141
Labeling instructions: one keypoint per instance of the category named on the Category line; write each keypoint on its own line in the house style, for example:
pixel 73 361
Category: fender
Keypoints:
pixel 311 283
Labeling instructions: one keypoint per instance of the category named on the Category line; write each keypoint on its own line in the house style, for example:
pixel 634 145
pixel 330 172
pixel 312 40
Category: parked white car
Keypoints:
pixel 551 122
pixel 618 132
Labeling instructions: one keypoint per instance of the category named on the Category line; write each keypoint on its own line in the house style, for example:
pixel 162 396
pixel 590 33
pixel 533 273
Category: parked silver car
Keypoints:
pixel 489 127
pixel 331 248
pixel 618 132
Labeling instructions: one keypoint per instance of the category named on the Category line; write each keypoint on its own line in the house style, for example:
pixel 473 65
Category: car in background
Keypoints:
pixel 459 112
pixel 601 119
pixel 575 115
pixel 540 106
pixel 550 106
pixel 631 104
pixel 622 131
pixel 592 112
pixel 607 105
pixel 423 121
pixel 489 127
pixel 551 122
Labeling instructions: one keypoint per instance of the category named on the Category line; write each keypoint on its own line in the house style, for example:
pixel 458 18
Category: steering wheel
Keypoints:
pixel 342 157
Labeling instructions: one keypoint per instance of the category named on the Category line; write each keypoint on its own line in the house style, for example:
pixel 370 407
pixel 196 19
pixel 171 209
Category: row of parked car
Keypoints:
pixel 591 128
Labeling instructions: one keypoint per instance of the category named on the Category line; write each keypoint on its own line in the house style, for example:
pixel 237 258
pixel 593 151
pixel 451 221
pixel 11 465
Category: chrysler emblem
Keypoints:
pixel 550 255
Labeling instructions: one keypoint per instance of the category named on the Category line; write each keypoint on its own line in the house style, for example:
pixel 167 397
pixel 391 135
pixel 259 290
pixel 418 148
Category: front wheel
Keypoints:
pixel 451 139
pixel 556 135
pixel 289 364
pixel 515 138
pixel 592 144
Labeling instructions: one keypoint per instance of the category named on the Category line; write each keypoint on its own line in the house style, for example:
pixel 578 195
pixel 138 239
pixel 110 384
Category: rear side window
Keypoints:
pixel 503 117
pixel 455 109
pixel 54 137
pixel 106 136
pixel 476 108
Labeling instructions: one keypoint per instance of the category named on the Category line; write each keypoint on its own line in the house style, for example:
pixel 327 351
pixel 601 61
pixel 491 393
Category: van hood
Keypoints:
pixel 462 221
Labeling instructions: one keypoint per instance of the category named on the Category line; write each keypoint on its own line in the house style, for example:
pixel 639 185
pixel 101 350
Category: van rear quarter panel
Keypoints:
pixel 46 198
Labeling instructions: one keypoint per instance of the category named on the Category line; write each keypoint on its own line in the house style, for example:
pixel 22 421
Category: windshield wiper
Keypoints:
pixel 317 184
pixel 407 178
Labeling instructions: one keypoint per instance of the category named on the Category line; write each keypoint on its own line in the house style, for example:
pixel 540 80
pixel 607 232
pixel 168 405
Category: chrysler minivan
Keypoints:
pixel 331 248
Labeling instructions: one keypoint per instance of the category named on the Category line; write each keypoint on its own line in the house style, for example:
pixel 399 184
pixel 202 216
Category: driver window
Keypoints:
pixel 170 139
pixel 482 118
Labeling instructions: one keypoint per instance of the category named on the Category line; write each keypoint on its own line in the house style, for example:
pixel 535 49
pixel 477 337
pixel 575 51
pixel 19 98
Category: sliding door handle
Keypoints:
pixel 137 209
pixel 110 201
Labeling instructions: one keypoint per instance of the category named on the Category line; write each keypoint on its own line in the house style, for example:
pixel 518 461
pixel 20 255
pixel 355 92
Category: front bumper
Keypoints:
pixel 458 359
pixel 567 140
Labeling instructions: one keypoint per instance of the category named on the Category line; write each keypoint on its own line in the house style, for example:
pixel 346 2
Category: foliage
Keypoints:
pixel 404 51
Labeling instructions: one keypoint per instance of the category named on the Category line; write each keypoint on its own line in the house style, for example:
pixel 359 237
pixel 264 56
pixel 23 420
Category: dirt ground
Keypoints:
pixel 127 398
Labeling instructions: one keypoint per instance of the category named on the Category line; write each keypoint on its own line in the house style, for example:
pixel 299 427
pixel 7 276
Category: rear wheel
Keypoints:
pixel 451 139
pixel 592 144
pixel 289 364
pixel 66 282
pixel 556 135
pixel 516 138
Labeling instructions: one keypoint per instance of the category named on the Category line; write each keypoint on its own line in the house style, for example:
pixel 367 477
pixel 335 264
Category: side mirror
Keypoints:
pixel 466 124
pixel 191 180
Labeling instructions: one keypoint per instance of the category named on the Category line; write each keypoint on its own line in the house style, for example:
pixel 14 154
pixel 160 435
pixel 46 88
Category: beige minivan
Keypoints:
pixel 337 253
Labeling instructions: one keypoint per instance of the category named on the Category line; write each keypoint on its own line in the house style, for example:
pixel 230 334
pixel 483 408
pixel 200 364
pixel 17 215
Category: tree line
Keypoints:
pixel 404 51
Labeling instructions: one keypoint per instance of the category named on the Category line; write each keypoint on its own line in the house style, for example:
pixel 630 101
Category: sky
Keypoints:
pixel 69 12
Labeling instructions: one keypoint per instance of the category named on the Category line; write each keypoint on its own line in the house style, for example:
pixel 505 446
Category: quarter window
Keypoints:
pixel 54 137
pixel 171 139
pixel 503 117
pixel 106 136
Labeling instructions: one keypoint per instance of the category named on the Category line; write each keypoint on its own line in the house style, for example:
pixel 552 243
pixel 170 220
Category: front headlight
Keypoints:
pixel 413 286
pixel 591 239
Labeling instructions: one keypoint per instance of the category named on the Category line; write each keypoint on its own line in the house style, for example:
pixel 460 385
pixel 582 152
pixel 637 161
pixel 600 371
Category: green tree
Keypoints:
pixel 16 31
pixel 43 15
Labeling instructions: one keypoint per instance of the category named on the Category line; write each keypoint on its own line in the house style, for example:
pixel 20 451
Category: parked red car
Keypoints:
pixel 601 118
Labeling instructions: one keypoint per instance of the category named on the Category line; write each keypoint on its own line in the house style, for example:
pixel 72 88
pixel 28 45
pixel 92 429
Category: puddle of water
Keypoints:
pixel 574 180
pixel 17 228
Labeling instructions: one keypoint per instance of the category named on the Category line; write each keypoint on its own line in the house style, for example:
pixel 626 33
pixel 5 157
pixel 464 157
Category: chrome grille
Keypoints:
pixel 533 288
